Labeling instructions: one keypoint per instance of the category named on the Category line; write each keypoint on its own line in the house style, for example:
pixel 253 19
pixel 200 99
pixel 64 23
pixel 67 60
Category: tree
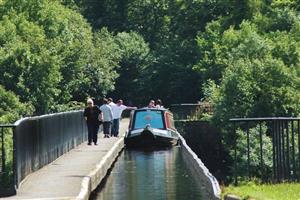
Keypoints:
pixel 100 73
pixel 26 64
pixel 258 79
pixel 134 68
pixel 46 52
pixel 11 108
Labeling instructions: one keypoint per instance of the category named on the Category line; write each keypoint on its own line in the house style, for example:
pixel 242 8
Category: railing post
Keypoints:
pixel 14 159
pixel 261 149
pixel 283 150
pixel 298 150
pixel 248 150
pixel 278 147
pixel 3 151
pixel 293 151
pixel 288 150
pixel 235 156
pixel 278 150
pixel 274 149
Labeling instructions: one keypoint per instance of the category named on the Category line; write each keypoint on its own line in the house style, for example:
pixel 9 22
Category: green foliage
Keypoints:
pixel 72 105
pixel 187 42
pixel 209 48
pixel 255 66
pixel 100 73
pixel 48 55
pixel 155 26
pixel 71 4
pixel 259 79
pixel 134 63
pixel 11 108
pixel 26 67
pixel 210 91
pixel 252 190
pixel 242 57
pixel 163 26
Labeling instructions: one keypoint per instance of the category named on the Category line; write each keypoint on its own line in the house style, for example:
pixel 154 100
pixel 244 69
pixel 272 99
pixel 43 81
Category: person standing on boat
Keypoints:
pixel 159 104
pixel 91 115
pixel 151 104
pixel 107 117
pixel 117 110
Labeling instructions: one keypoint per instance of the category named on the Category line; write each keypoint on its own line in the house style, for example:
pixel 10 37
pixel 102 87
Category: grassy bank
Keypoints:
pixel 284 191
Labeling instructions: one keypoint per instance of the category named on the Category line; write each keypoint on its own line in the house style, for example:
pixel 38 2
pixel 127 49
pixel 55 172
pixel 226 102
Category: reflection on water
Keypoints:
pixel 152 175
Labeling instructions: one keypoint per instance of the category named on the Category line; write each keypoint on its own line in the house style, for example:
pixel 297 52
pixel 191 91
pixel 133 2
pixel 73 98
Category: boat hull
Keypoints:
pixel 148 139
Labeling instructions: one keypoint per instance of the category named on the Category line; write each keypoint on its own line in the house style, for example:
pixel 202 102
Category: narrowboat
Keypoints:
pixel 151 127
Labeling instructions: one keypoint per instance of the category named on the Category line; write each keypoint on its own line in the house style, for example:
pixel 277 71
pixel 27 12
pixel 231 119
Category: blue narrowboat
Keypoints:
pixel 151 127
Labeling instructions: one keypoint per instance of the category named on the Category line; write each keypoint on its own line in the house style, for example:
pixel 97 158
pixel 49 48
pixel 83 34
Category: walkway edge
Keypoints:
pixel 93 179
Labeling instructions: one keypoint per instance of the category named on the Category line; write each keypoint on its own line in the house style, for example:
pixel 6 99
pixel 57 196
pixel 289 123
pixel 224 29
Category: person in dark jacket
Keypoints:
pixel 91 115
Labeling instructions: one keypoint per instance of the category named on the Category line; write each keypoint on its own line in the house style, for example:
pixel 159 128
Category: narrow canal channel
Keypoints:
pixel 149 175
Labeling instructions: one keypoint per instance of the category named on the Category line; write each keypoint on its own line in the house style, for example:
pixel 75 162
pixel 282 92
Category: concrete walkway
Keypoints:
pixel 75 174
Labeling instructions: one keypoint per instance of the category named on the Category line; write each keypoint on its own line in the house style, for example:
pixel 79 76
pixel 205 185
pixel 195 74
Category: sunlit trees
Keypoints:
pixel 47 53
pixel 50 55
pixel 11 109
pixel 133 83
pixel 98 76
pixel 258 73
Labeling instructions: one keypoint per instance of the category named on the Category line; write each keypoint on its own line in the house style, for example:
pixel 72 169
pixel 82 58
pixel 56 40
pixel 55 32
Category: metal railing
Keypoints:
pixel 284 136
pixel 190 111
pixel 6 160
pixel 34 142
pixel 42 139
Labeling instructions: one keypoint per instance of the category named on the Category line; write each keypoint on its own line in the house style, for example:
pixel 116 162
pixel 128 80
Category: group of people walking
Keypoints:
pixel 109 115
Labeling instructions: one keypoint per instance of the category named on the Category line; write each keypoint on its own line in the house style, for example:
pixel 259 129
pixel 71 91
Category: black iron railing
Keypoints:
pixel 282 135
pixel 189 111
pixel 6 160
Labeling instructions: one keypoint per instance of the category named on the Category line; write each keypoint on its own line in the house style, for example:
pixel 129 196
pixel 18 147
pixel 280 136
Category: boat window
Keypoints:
pixel 151 117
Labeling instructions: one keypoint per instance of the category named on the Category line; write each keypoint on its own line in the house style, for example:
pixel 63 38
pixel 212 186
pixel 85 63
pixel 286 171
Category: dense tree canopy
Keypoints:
pixel 257 70
pixel 241 56
pixel 135 61
pixel 11 109
pixel 246 51
pixel 48 54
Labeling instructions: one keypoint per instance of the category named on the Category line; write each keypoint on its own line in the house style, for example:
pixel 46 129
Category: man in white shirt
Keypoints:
pixel 107 117
pixel 117 110
pixel 111 102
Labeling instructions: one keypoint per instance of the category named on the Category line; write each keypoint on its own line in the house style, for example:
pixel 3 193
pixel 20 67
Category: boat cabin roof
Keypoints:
pixel 147 108
pixel 159 118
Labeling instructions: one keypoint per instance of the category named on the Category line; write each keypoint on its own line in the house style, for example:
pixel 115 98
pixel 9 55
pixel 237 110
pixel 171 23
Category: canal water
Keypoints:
pixel 149 175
